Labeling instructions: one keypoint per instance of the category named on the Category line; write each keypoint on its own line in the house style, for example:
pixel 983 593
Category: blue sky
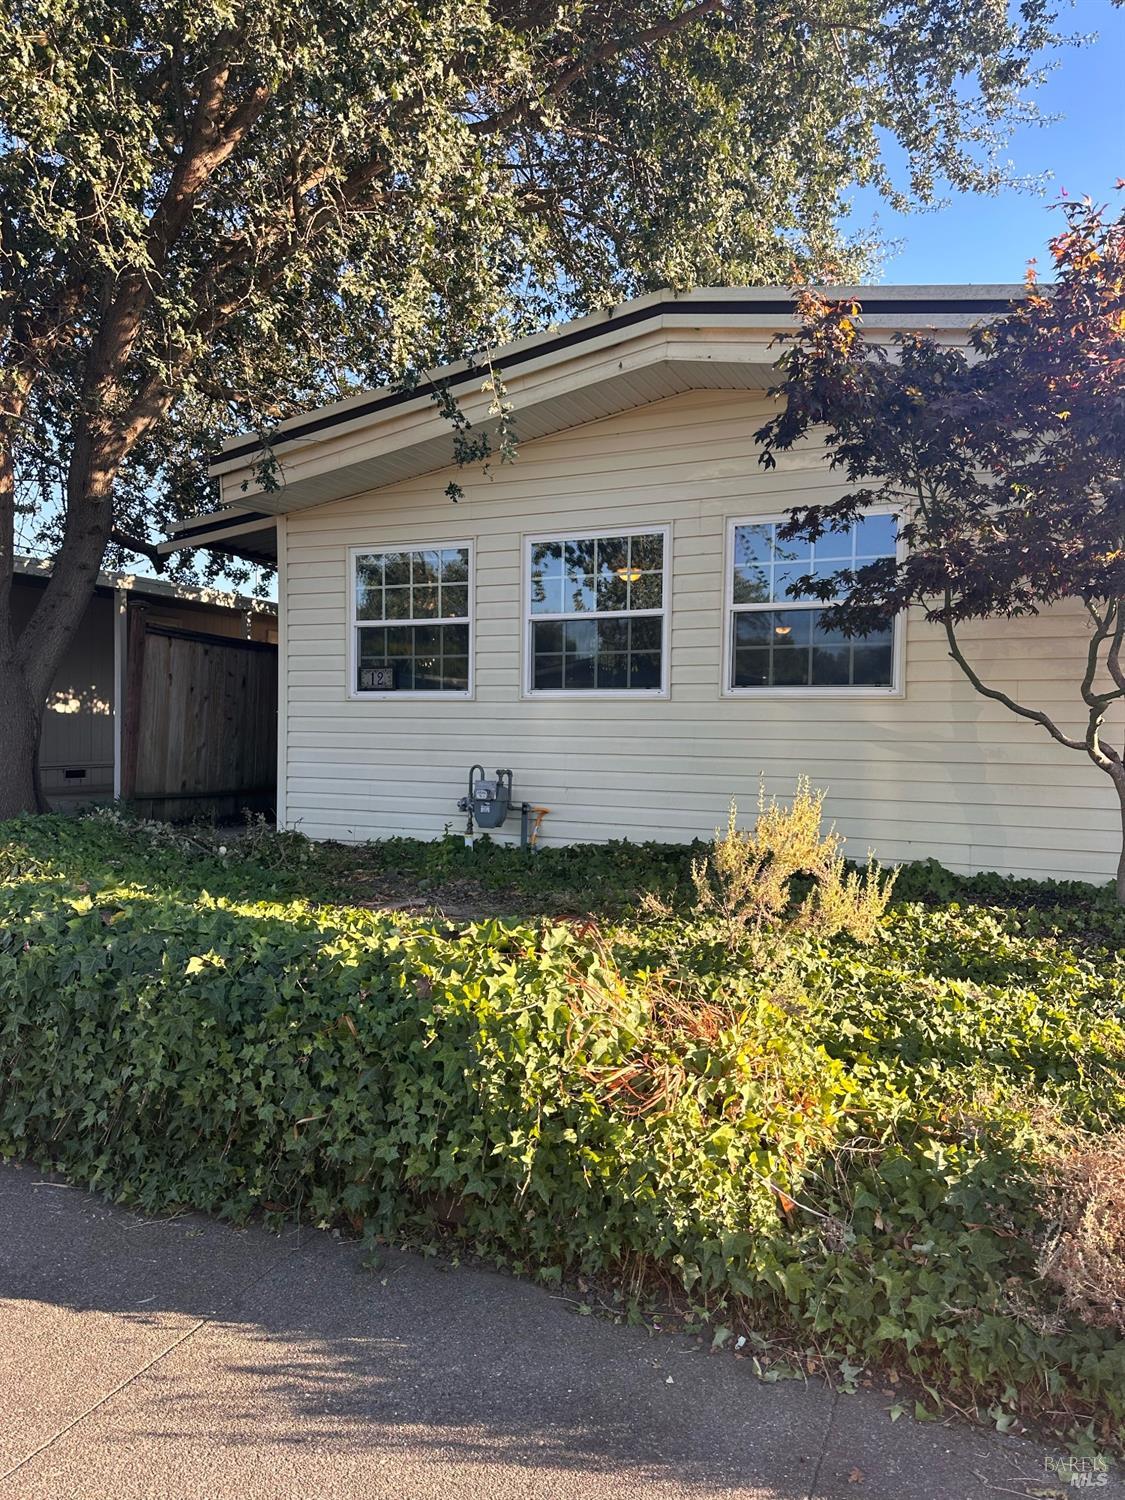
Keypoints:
pixel 975 238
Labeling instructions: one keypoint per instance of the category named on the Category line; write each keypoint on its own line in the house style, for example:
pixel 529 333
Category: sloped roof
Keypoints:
pixel 627 356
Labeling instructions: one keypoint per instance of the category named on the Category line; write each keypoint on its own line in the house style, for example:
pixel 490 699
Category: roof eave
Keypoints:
pixel 760 310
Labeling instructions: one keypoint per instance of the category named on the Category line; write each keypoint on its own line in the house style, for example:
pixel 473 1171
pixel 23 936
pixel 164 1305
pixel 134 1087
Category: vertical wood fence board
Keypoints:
pixel 205 713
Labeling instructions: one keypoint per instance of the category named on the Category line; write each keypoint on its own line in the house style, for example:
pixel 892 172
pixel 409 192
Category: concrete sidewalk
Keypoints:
pixel 186 1360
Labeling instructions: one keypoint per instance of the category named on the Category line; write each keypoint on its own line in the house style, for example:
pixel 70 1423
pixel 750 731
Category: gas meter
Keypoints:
pixel 489 800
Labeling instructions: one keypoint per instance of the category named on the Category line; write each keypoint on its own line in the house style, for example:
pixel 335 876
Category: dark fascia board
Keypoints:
pixel 241 543
pixel 41 580
pixel 978 306
pixel 243 518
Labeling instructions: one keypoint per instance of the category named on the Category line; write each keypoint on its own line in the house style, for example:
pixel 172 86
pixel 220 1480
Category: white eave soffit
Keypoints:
pixel 595 368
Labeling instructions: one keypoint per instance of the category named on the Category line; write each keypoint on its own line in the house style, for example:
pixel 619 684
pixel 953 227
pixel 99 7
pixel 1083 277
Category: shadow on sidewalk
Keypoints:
pixel 252 1364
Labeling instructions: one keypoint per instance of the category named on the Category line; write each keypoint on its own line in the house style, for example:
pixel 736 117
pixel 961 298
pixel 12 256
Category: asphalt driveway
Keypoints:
pixel 185 1360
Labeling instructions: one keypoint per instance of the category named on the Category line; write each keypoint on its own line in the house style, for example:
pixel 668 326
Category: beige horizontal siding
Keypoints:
pixel 937 772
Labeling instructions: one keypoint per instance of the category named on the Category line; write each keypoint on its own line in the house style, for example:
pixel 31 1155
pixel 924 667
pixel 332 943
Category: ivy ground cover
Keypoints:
pixel 859 1155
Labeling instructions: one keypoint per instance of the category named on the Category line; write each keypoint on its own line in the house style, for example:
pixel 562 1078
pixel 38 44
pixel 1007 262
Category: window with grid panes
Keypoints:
pixel 596 613
pixel 413 620
pixel 778 641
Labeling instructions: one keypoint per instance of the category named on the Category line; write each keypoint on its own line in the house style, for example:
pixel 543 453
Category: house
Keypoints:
pixel 166 697
pixel 607 615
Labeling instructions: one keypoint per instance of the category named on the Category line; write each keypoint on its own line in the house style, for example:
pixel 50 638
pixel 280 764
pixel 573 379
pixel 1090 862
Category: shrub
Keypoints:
pixel 747 878
pixel 833 1145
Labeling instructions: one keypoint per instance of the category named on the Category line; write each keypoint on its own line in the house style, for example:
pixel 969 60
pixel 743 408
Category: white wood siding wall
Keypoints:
pixel 938 771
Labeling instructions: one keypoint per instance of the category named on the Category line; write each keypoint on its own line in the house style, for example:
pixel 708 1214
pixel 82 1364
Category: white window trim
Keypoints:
pixel 631 695
pixel 354 624
pixel 898 628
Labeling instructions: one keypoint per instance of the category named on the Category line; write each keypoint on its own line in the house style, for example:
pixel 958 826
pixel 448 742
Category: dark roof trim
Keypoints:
pixel 142 597
pixel 243 519
pixel 714 306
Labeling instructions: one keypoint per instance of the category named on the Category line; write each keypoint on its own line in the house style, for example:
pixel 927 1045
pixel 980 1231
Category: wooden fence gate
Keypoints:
pixel 199 734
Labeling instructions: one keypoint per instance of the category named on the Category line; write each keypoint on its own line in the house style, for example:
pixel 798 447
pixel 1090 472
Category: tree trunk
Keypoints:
pixel 21 716
pixel 21 725
pixel 28 663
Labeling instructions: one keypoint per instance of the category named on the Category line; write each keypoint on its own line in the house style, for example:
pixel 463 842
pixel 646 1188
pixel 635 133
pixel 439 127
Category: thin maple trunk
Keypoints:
pixel 1115 770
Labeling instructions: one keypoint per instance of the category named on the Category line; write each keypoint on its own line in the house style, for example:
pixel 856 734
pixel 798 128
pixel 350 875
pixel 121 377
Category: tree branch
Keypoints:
pixel 1101 754
pixel 210 142
pixel 579 66
pixel 1037 716
pixel 102 441
pixel 1113 655
pixel 140 546
pixel 1102 625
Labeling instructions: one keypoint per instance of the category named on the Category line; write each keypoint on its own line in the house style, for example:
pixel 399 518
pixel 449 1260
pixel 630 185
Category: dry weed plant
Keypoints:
pixel 745 881
pixel 1084 1251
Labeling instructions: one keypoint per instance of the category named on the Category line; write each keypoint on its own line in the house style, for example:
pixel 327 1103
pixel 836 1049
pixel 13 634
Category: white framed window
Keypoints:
pixel 411 621
pixel 596 613
pixel 775 643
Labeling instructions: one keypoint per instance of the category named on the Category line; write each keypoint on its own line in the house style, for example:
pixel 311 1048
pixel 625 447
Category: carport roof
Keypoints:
pixel 38 570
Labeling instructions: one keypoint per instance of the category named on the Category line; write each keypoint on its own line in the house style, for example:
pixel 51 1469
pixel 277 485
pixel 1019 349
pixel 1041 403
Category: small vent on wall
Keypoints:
pixel 75 775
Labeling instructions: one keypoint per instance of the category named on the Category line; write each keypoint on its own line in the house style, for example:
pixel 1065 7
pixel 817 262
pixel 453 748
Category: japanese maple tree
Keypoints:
pixel 1004 462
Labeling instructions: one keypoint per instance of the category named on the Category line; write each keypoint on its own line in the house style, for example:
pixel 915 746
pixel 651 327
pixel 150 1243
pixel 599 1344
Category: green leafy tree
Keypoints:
pixel 214 214
pixel 1005 464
